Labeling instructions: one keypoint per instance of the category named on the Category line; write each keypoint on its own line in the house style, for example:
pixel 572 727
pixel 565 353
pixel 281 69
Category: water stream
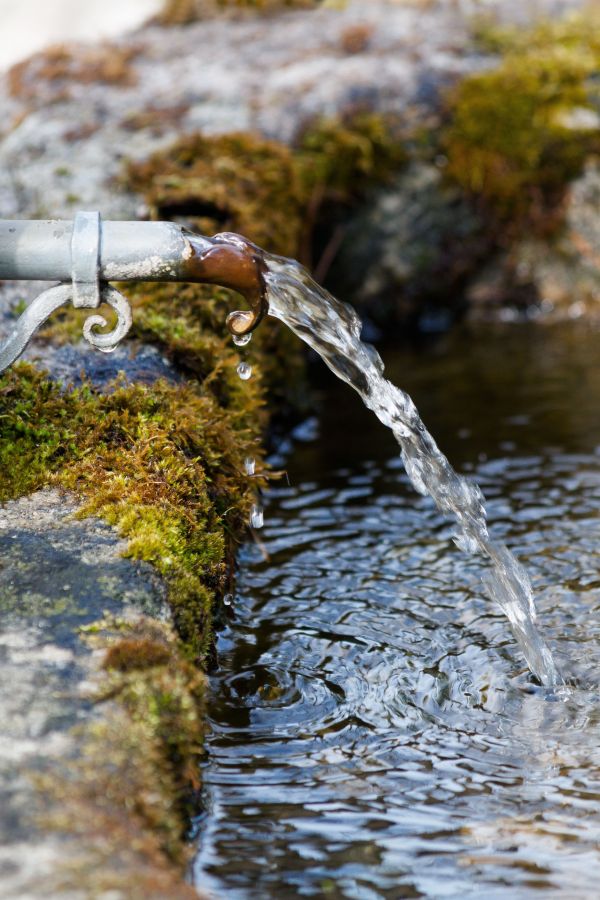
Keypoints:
pixel 375 732
pixel 333 329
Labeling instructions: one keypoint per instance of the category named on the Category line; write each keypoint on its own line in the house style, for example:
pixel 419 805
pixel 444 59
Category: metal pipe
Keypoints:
pixel 86 254
pixel 129 251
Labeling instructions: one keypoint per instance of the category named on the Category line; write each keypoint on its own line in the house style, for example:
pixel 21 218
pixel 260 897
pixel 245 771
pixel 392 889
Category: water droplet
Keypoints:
pixel 250 465
pixel 257 518
pixel 240 340
pixel 244 371
pixel 228 599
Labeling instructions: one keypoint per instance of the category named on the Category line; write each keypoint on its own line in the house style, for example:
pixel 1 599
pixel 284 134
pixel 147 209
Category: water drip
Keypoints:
pixel 257 519
pixel 244 371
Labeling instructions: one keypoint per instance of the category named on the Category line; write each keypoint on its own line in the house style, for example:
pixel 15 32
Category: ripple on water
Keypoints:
pixel 375 732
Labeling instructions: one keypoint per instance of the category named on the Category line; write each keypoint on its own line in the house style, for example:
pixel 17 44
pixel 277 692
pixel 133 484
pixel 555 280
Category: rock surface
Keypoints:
pixel 56 575
pixel 562 283
pixel 415 238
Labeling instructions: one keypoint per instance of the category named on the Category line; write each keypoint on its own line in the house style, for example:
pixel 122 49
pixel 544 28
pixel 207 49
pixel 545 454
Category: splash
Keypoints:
pixel 333 330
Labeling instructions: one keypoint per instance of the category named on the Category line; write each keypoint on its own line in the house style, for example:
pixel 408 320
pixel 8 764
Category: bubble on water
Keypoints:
pixel 257 518
pixel 240 340
pixel 244 371
pixel 228 599
pixel 250 465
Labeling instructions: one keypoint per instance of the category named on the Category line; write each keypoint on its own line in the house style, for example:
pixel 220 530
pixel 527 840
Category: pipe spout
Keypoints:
pixel 233 262
pixel 55 250
pixel 86 254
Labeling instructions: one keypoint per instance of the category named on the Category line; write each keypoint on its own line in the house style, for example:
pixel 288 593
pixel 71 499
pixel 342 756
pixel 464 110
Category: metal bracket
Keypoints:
pixel 85 260
pixel 84 254
pixel 85 292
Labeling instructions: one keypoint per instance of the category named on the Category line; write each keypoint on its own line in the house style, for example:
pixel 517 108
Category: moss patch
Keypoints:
pixel 129 794
pixel 184 12
pixel 164 464
pixel 234 182
pixel 58 67
pixel 520 132
pixel 273 194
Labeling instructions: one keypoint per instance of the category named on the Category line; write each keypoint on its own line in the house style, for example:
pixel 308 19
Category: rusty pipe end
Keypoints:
pixel 232 261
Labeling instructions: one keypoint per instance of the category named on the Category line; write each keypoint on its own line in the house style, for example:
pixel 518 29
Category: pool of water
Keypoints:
pixel 375 732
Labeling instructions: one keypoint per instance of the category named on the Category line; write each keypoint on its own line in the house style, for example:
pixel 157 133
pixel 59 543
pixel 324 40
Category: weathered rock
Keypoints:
pixel 72 364
pixel 414 241
pixel 554 278
pixel 56 575
pixel 267 75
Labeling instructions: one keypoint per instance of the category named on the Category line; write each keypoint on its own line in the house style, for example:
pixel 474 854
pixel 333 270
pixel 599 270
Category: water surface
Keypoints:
pixel 375 730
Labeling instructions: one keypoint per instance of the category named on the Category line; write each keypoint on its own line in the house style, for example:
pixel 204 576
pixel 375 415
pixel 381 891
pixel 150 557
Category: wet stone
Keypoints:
pixel 76 363
pixel 56 575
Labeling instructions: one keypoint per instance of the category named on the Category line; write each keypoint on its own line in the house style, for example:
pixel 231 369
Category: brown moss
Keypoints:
pixel 46 76
pixel 233 182
pixel 184 12
pixel 135 654
pixel 356 38
pixel 157 119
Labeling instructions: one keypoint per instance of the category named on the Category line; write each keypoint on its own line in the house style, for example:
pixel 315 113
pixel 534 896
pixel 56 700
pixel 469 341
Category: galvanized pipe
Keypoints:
pixel 129 251
pixel 86 254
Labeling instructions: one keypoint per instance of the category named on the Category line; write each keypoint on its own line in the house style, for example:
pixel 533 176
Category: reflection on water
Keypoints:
pixel 374 730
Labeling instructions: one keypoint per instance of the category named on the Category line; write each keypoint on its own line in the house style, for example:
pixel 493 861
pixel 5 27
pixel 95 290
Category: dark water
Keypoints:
pixel 375 731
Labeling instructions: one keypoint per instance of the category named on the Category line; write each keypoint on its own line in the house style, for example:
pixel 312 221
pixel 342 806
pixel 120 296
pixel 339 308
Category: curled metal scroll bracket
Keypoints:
pixel 42 308
pixel 107 341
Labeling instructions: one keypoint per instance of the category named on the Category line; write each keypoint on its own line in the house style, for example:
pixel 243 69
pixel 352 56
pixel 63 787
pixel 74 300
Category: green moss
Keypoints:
pixel 345 156
pixel 514 141
pixel 163 464
pixel 129 794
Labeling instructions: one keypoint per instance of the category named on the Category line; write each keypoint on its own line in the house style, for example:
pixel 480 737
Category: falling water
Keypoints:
pixel 257 516
pixel 244 370
pixel 241 340
pixel 333 329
